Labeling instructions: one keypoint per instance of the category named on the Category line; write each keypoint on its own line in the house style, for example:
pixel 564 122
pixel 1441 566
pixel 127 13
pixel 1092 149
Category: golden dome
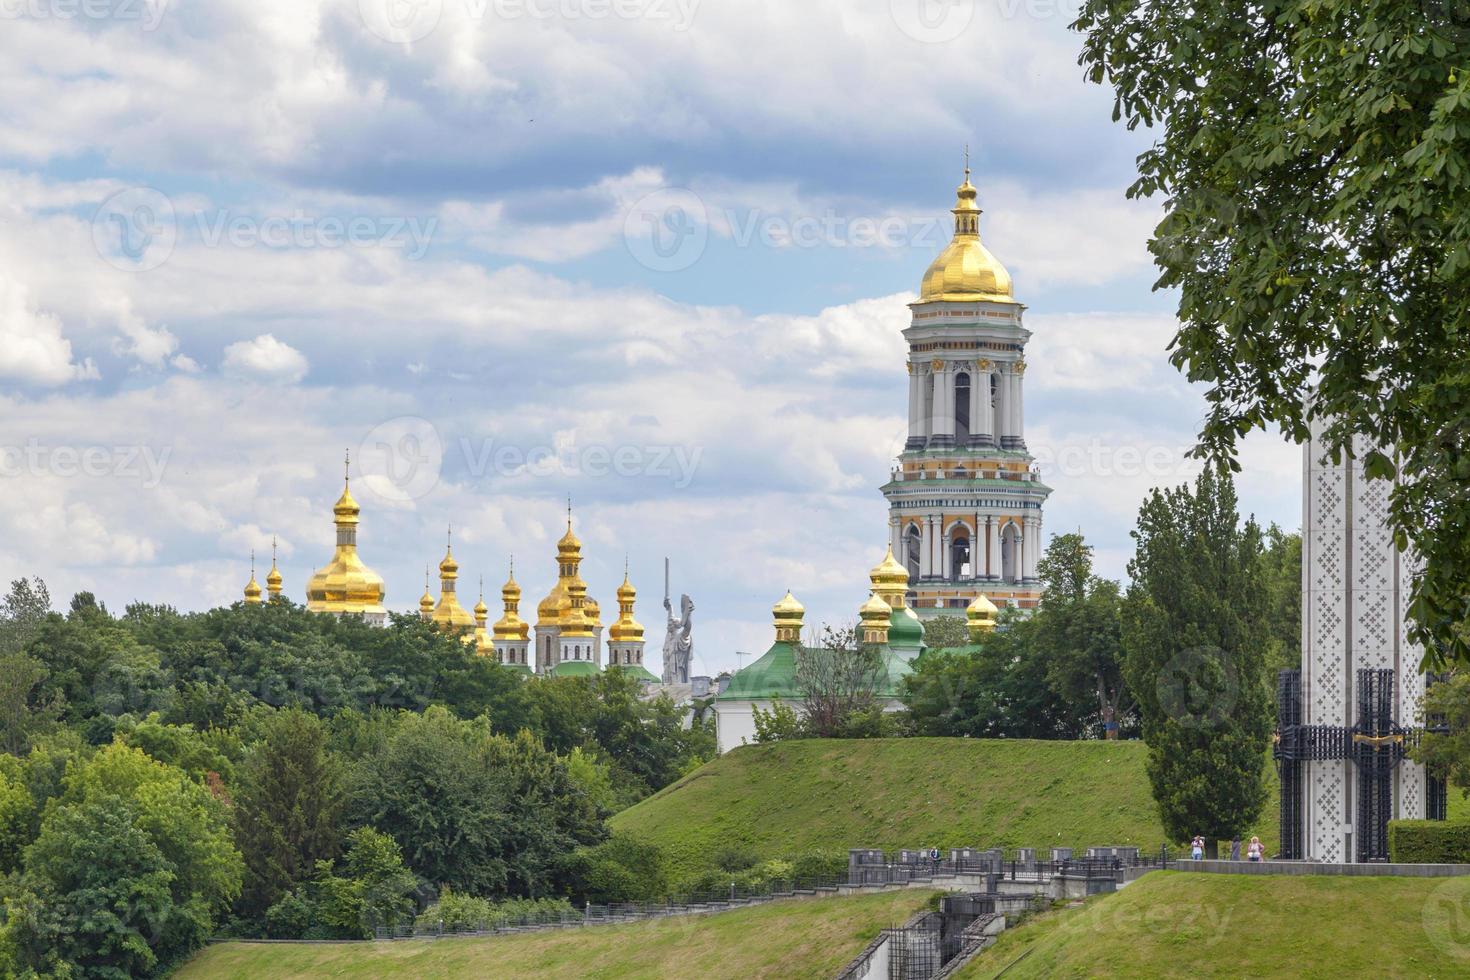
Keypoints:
pixel 965 270
pixel 890 580
pixel 788 613
pixel 449 613
pixel 626 628
pixel 346 585
pixel 252 588
pixel 980 615
pixel 273 579
pixel 511 626
pixel 426 601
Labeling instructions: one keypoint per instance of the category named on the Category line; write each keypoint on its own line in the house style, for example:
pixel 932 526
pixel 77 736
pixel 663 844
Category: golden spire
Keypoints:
pixel 426 601
pixel 980 615
pixel 252 588
pixel 449 614
pixel 273 579
pixel 511 626
pixel 788 614
pixel 966 271
pixel 346 585
pixel 626 628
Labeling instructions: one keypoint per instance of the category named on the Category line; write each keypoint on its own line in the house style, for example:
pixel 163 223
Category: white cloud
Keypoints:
pixel 265 359
pixel 32 348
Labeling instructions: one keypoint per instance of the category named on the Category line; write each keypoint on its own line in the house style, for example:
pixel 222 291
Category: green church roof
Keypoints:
pixel 639 671
pixel 774 675
pixel 574 668
pixel 905 630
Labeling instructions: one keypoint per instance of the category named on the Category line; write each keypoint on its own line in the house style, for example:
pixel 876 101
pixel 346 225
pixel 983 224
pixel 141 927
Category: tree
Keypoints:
pixel 1313 165
pixel 1447 752
pixel 22 611
pixel 997 691
pixel 288 808
pixel 946 633
pixel 1078 631
pixel 131 868
pixel 838 679
pixel 1281 563
pixel 23 713
pixel 1194 642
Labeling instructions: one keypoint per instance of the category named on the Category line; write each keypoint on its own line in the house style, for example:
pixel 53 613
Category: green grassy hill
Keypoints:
pixel 1178 924
pixel 795 938
pixel 788 798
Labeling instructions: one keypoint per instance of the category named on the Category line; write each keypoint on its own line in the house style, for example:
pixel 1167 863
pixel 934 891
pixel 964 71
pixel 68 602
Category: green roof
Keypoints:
pixel 639 671
pixel 574 668
pixel 774 675
pixel 905 631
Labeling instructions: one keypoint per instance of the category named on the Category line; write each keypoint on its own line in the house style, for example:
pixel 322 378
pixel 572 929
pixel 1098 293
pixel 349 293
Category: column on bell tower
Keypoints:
pixel 942 422
pixel 982 417
pixel 918 432
pixel 993 566
pixel 1020 421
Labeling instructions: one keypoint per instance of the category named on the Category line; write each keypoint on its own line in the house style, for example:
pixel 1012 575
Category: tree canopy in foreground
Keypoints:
pixel 1314 161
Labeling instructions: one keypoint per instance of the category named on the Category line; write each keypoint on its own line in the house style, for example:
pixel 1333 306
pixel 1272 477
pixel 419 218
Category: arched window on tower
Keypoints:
pixel 1010 548
pixel 960 567
pixel 961 408
pixel 911 546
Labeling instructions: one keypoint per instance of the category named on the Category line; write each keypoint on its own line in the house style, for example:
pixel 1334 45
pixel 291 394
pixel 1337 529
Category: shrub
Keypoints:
pixel 777 725
pixel 732 858
pixel 1429 841
pixel 466 913
pixel 818 864
pixel 621 869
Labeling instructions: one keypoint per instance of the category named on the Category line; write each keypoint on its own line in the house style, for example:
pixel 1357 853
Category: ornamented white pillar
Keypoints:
pixel 946 553
pixel 994 567
pixel 943 405
pixel 916 407
pixel 895 537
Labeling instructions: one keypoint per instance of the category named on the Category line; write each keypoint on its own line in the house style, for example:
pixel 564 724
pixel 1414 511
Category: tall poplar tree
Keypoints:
pixel 1194 638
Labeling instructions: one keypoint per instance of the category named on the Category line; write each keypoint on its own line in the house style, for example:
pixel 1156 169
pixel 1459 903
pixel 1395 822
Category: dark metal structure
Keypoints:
pixel 1376 744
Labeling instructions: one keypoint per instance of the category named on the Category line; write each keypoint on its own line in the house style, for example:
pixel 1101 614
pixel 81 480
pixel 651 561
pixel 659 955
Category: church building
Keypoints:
pixel 964 499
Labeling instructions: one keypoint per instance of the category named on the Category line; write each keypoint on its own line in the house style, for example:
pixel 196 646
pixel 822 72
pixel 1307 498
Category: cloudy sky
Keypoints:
pixel 653 254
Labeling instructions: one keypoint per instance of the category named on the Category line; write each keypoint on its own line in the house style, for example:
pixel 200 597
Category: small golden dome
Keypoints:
pixel 345 510
pixel 980 615
pixel 875 610
pixel 626 628
pixel 346 585
pixel 252 588
pixel 273 580
pixel 788 607
pixel 890 580
pixel 787 614
pixel 966 271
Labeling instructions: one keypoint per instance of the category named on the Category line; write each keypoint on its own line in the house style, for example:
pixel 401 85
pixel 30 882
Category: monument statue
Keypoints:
pixel 678 643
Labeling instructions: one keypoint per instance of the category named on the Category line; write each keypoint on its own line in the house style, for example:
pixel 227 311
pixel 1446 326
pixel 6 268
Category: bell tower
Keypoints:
pixel 964 503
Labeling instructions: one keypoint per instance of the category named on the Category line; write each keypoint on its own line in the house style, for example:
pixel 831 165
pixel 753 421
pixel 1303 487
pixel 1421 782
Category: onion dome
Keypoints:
pixel 511 626
pixel 966 271
pixel 273 579
pixel 980 615
pixel 788 614
pixel 626 628
pixel 426 601
pixel 449 614
pixel 252 588
pixel 346 585
pixel 873 616
pixel 890 580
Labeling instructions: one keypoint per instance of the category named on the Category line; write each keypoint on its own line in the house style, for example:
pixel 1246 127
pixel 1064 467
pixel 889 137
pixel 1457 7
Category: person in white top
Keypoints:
pixel 1256 850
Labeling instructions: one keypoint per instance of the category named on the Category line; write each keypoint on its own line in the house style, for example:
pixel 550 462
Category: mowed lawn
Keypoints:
pixel 792 938
pixel 787 798
pixel 1182 924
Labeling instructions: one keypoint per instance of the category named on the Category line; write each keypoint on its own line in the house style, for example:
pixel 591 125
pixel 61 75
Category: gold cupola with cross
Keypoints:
pixel 346 586
pixel 449 615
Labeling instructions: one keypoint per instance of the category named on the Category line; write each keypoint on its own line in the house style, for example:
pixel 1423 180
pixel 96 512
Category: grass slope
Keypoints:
pixel 795 938
pixel 1181 924
pixel 787 798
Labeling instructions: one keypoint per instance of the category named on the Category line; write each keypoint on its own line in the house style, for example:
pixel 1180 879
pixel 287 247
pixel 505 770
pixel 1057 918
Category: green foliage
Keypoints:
pixel 1312 162
pixel 1078 632
pixel 1429 841
pixel 1446 753
pixel 839 677
pixel 288 807
pixel 23 712
pixel 620 869
pixel 999 690
pixel 375 890
pixel 197 753
pixel 1194 639
pixel 131 867
pixel 946 632
pixel 454 912
pixel 1281 581
pixel 481 813
pixel 777 724
pixel 22 611
pixel 17 813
